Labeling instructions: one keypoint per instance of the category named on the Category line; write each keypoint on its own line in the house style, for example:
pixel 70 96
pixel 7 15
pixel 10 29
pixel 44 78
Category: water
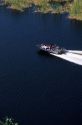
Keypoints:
pixel 36 89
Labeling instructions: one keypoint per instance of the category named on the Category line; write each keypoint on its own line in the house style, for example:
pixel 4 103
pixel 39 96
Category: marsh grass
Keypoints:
pixel 76 10
pixel 42 5
pixel 18 4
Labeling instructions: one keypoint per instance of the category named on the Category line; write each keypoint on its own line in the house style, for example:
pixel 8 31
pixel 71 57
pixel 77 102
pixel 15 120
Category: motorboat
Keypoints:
pixel 52 48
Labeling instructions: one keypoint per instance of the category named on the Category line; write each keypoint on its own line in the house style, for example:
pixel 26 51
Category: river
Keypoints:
pixel 36 89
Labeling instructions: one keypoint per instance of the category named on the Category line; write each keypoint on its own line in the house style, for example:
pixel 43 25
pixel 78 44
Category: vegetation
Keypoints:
pixel 8 121
pixel 42 5
pixel 74 7
pixel 18 4
pixel 76 10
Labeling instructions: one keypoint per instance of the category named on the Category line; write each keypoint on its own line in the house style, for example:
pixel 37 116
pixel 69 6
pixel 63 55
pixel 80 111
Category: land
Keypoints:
pixel 74 7
pixel 76 10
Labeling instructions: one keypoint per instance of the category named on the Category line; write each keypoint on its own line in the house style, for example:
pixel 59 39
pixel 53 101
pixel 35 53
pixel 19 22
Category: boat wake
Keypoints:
pixel 73 56
pixel 76 52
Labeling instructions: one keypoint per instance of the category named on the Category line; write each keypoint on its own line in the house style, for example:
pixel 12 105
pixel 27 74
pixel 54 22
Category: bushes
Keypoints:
pixel 44 5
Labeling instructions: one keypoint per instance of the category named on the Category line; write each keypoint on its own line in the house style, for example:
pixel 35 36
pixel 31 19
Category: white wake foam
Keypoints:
pixel 75 51
pixel 73 56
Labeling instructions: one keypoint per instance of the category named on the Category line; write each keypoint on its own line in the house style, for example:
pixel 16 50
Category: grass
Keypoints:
pixel 18 4
pixel 76 10
pixel 42 5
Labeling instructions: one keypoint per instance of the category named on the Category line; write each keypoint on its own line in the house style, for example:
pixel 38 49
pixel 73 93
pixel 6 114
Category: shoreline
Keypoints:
pixel 45 10
pixel 75 18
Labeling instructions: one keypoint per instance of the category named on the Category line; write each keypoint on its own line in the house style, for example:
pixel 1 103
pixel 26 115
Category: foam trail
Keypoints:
pixel 75 51
pixel 71 57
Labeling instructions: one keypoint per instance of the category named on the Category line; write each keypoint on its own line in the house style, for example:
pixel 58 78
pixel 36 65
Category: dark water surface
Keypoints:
pixel 37 89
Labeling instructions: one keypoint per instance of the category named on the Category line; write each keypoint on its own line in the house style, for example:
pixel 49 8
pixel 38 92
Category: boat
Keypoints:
pixel 52 48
